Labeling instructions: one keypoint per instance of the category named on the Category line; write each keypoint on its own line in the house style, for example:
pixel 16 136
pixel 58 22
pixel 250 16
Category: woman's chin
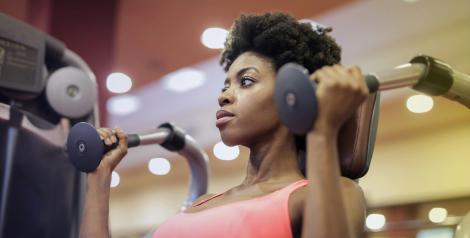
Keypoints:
pixel 229 139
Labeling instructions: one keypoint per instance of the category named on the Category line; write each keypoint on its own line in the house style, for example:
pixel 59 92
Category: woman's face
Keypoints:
pixel 247 98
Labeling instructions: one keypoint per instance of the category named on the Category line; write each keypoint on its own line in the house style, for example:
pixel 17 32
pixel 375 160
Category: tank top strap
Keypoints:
pixel 285 191
pixel 294 186
pixel 207 199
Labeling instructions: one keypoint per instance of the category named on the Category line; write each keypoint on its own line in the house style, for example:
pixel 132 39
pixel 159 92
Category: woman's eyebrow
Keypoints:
pixel 240 72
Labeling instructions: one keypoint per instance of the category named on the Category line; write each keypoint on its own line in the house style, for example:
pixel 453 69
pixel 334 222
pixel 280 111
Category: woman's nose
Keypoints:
pixel 225 98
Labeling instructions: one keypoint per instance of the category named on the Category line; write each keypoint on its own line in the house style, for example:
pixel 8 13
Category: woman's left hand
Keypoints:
pixel 340 92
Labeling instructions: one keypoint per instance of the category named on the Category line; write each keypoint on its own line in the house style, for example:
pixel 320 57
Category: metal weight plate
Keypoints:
pixel 295 98
pixel 84 147
pixel 71 93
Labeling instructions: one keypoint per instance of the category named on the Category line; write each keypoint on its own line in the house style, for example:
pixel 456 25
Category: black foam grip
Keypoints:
pixel 133 140
pixel 175 140
pixel 108 148
pixel 372 83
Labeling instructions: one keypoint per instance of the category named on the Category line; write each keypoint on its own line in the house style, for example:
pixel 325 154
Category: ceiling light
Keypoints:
pixel 375 221
pixel 184 80
pixel 224 152
pixel 442 232
pixel 214 38
pixel 122 105
pixel 419 103
pixel 159 166
pixel 118 83
pixel 437 214
pixel 115 179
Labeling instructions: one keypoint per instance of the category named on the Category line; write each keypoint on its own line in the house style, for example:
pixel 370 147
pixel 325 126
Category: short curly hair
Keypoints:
pixel 281 38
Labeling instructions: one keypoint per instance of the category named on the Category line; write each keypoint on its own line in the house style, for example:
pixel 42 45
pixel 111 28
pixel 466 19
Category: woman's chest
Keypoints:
pixel 226 199
pixel 275 205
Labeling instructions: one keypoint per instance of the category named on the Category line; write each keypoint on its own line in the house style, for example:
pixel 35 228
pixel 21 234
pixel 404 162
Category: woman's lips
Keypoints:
pixel 223 120
pixel 223 117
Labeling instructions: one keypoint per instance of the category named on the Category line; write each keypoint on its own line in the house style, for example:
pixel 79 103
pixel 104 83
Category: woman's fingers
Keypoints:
pixel 357 74
pixel 340 91
pixel 332 75
pixel 103 135
pixel 122 140
pixel 111 136
pixel 107 135
pixel 340 76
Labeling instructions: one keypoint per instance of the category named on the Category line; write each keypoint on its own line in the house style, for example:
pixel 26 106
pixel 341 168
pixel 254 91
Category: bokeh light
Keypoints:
pixel 122 105
pixel 224 152
pixel 419 103
pixel 115 179
pixel 118 83
pixel 159 166
pixel 214 38
pixel 375 221
pixel 437 215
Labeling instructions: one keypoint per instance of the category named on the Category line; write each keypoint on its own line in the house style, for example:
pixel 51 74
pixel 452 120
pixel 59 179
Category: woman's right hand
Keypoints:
pixel 340 92
pixel 112 158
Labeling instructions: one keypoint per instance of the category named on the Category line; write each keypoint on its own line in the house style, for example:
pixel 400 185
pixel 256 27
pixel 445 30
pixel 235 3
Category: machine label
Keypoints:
pixel 18 64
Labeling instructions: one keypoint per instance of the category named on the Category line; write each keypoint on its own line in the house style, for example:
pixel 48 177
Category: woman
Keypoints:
pixel 280 196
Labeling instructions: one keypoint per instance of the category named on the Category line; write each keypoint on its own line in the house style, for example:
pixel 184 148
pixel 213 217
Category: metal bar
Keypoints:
pixel 157 137
pixel 402 76
pixel 197 160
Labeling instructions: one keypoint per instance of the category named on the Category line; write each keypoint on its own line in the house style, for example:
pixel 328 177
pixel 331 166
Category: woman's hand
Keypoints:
pixel 112 158
pixel 340 92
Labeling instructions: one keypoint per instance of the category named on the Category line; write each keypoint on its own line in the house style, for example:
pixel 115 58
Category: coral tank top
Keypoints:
pixel 264 216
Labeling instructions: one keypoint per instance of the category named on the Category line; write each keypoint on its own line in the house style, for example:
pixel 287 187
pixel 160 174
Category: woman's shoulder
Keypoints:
pixel 348 186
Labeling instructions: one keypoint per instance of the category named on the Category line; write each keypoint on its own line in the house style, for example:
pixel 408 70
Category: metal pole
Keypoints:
pixel 402 76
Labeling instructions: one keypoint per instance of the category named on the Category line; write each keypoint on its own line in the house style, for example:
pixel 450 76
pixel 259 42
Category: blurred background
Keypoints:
pixel 157 61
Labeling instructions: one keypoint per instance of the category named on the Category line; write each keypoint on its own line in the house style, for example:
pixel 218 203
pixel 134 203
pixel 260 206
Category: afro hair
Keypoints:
pixel 281 38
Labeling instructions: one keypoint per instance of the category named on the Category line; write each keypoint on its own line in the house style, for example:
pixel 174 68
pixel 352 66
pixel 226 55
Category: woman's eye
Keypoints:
pixel 245 81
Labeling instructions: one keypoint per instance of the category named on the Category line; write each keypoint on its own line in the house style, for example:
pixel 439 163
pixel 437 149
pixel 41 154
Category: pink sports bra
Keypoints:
pixel 265 216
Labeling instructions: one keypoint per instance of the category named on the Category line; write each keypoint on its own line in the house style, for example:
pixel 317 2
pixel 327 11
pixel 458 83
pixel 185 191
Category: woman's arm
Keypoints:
pixel 355 206
pixel 96 212
pixel 334 207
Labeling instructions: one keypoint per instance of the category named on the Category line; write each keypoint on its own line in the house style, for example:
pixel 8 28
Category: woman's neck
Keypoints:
pixel 273 160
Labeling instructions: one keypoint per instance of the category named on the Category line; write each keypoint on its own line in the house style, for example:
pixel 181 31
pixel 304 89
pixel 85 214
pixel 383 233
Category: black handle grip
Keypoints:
pixel 108 148
pixel 133 140
pixel 176 139
pixel 372 82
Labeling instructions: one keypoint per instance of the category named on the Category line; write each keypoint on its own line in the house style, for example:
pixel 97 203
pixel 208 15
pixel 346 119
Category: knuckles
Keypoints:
pixel 340 78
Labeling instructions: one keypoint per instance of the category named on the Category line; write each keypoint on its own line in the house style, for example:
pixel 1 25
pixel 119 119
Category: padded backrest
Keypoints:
pixel 356 139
